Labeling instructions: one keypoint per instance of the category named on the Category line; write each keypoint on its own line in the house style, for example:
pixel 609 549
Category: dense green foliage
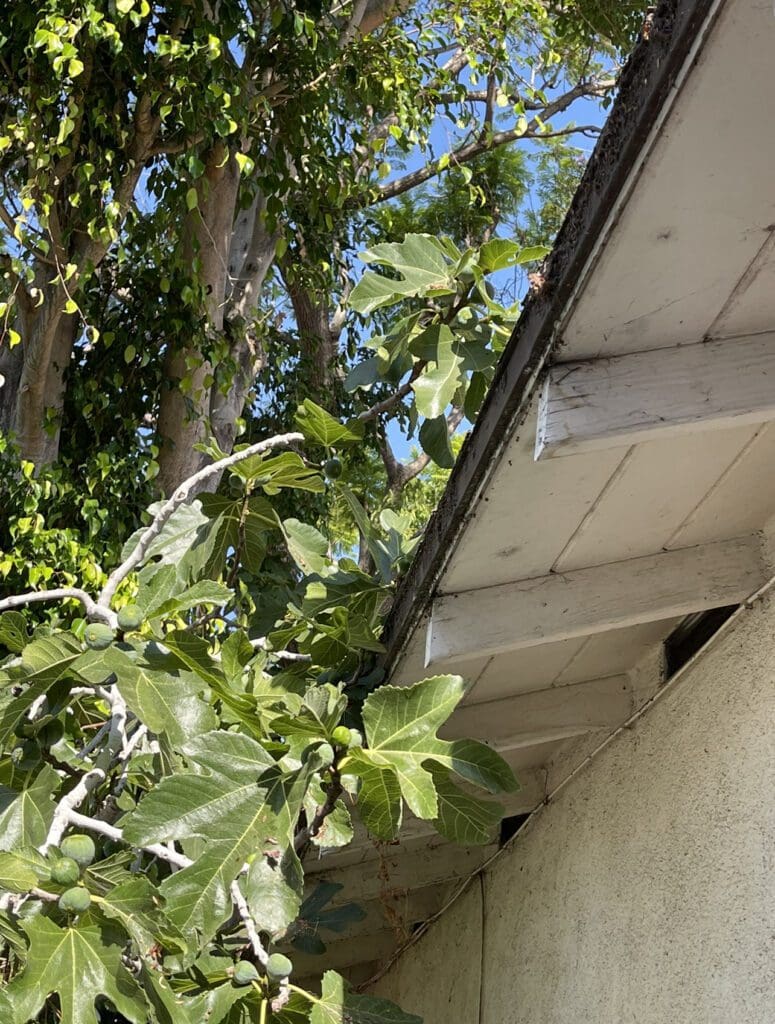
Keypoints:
pixel 238 270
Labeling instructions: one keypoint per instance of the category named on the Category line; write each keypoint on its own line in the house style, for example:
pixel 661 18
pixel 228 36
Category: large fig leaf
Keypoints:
pixel 80 967
pixel 421 264
pixel 25 816
pixel 401 725
pixel 463 818
pixel 435 388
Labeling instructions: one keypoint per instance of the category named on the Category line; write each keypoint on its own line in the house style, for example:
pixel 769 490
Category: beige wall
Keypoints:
pixel 645 893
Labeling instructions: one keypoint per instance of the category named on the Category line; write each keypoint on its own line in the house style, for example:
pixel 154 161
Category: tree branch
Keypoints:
pixel 247 919
pixel 333 792
pixel 259 644
pixel 66 807
pixel 184 493
pixel 388 403
pixel 488 140
pixel 93 611
pixel 104 828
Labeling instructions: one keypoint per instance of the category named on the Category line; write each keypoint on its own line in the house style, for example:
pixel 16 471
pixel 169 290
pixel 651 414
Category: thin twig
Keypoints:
pixel 95 741
pixel 103 828
pixel 333 792
pixel 386 404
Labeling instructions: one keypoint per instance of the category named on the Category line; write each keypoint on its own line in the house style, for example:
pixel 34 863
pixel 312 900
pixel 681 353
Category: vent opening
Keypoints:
pixel 510 827
pixel 692 634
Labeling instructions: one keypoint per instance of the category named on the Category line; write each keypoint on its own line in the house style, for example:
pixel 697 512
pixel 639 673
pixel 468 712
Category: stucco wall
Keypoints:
pixel 645 892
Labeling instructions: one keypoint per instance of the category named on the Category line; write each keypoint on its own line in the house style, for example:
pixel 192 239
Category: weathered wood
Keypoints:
pixel 399 870
pixel 588 601
pixel 605 403
pixel 545 716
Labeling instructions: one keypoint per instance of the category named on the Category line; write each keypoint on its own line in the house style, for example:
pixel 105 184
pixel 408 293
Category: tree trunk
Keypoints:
pixel 32 398
pixel 234 254
pixel 184 406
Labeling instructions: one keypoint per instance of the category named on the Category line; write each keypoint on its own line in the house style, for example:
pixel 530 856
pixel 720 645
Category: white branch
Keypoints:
pixel 111 832
pixel 250 925
pixel 184 493
pixel 117 738
pixel 36 707
pixel 65 807
pixel 90 606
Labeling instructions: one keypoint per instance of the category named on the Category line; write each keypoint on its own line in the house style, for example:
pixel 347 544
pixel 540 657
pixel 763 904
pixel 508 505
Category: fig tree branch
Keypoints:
pixel 66 806
pixel 392 400
pixel 302 838
pixel 90 606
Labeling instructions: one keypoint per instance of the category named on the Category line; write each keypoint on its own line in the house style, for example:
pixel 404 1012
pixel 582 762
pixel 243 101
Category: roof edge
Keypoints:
pixel 646 83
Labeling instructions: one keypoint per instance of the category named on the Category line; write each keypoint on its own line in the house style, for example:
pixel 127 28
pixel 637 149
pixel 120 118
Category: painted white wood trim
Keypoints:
pixel 544 716
pixel 583 602
pixel 605 403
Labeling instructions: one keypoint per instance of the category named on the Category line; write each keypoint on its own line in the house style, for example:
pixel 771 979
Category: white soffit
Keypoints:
pixel 700 219
pixel 689 257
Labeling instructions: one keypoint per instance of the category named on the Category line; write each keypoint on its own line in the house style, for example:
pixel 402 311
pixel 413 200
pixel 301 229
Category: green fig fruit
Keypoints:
pixel 130 618
pixel 80 848
pixel 356 738
pixel 75 901
pixel 341 736
pixel 332 468
pixel 278 967
pixel 244 973
pixel 65 871
pixel 98 636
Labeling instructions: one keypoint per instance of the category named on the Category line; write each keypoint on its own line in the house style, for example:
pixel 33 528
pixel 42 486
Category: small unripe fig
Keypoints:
pixel 278 967
pixel 75 901
pixel 244 973
pixel 130 618
pixel 98 636
pixel 80 848
pixel 341 736
pixel 356 738
pixel 65 871
pixel 332 468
